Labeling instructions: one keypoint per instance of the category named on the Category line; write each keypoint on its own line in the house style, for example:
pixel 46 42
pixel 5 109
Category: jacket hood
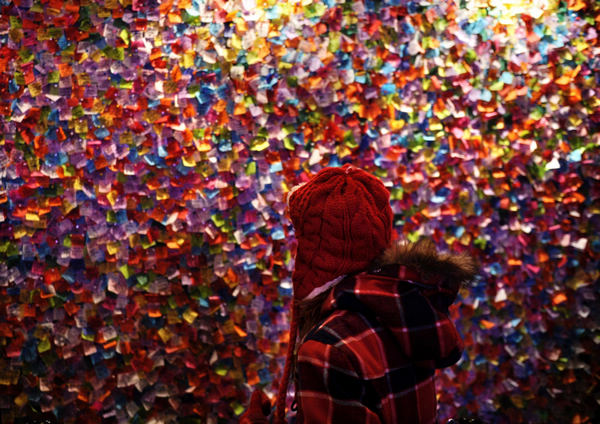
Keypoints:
pixel 433 267
pixel 408 293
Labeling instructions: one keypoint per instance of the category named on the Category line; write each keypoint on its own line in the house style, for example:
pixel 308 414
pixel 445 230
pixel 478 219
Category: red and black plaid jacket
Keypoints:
pixel 373 359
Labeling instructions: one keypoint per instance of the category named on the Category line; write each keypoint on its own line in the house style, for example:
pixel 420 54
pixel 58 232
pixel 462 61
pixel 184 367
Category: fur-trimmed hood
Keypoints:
pixel 408 293
pixel 432 266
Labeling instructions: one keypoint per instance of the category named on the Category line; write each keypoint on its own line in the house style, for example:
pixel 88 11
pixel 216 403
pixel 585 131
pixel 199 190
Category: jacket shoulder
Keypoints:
pixel 339 326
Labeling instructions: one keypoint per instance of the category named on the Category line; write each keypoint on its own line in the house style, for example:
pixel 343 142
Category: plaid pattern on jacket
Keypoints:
pixel 373 358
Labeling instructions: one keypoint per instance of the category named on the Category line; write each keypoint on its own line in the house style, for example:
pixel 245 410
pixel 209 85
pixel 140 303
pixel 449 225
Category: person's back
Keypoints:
pixel 382 334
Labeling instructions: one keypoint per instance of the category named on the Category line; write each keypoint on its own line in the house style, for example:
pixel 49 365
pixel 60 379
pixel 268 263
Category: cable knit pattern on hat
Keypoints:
pixel 343 220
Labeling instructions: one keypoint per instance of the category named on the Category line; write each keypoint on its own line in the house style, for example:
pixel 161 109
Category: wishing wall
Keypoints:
pixel 146 147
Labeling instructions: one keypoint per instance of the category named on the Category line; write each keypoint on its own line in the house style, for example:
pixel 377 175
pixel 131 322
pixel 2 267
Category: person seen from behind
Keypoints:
pixel 370 321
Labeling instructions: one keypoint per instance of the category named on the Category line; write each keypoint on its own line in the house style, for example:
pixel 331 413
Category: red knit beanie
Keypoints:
pixel 342 220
